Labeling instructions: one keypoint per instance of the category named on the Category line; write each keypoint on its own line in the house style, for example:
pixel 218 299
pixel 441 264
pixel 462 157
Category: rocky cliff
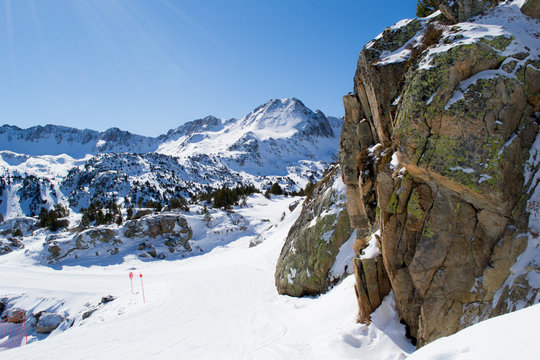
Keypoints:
pixel 439 151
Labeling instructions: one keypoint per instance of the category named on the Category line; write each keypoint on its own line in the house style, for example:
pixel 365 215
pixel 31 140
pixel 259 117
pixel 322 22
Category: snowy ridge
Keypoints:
pixel 57 140
pixel 281 141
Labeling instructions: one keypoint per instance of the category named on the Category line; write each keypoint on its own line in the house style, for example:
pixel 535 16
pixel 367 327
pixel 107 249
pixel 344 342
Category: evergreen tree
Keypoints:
pixel 276 189
pixel 130 212
pixel 426 7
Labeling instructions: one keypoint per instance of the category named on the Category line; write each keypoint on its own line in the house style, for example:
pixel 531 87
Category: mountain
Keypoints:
pixel 57 140
pixel 268 141
pixel 281 141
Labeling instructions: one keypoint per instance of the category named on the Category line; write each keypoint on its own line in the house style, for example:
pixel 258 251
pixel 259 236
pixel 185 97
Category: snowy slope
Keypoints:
pixel 281 141
pixel 220 305
pixel 510 336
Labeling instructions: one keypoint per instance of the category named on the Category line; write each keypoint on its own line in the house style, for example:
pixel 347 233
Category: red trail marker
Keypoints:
pixel 142 286
pixel 131 280
pixel 24 322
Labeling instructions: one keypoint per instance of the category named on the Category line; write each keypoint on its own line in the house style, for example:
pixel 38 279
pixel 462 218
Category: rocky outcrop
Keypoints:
pixel 170 226
pixel 372 283
pixel 310 261
pixel 531 8
pixel 48 322
pixel 12 232
pixel 434 149
pixel 152 236
pixel 462 10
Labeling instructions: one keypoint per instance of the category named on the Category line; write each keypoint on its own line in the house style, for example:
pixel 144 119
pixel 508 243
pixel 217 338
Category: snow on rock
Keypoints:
pixel 343 262
pixel 48 322
pixel 372 250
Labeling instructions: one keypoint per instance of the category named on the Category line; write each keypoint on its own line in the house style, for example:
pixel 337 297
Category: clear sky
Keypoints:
pixel 150 65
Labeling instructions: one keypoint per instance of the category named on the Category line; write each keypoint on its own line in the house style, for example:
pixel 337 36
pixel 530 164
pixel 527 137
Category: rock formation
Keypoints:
pixel 306 264
pixel 152 235
pixel 531 8
pixel 437 151
pixel 47 322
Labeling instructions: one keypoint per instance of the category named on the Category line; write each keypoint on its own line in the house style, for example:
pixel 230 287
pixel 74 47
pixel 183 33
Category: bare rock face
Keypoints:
pixel 440 159
pixel 531 8
pixel 306 264
pixel 371 286
pixel 462 10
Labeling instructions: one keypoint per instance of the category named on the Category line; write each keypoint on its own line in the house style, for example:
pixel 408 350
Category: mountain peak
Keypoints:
pixel 285 117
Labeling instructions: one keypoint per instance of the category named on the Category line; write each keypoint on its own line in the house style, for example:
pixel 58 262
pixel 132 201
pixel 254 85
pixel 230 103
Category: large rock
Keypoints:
pixel 15 315
pixel 314 241
pixel 48 322
pixel 168 225
pixel 531 8
pixel 452 203
pixel 371 286
pixel 153 235
pixel 462 10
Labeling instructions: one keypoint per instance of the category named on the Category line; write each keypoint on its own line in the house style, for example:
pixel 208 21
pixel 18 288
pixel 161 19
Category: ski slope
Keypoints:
pixel 219 305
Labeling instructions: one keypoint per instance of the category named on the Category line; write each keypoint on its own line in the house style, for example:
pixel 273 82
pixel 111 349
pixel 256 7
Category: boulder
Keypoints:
pixel 169 225
pixel 90 237
pixel 139 213
pixel 531 8
pixel 48 322
pixel 15 315
pixel 25 225
pixel 314 241
pixel 462 10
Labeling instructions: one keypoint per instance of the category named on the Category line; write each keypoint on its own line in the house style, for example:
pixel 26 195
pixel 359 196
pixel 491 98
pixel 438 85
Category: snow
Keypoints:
pixel 431 99
pixel 281 141
pixel 372 250
pixel 504 20
pixel 222 304
pixel 462 87
pixel 394 163
pixel 343 263
pixel 462 169
pixel 510 336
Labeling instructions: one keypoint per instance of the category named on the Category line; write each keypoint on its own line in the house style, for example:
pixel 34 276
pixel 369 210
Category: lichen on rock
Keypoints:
pixel 445 174
pixel 314 241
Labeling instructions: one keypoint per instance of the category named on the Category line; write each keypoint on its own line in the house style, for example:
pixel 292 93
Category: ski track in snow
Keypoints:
pixel 222 304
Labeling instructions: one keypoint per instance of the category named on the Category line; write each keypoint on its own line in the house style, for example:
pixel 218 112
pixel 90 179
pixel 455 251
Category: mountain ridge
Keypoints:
pixel 280 141
pixel 58 138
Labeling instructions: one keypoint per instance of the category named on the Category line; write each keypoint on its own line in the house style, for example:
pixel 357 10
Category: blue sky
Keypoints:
pixel 150 65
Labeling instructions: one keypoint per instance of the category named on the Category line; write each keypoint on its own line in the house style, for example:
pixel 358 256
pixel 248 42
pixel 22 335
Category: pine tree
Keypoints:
pixel 426 7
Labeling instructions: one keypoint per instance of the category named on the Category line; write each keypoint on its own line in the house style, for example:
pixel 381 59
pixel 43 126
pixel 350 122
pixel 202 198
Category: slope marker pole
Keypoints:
pixel 131 280
pixel 142 286
pixel 24 322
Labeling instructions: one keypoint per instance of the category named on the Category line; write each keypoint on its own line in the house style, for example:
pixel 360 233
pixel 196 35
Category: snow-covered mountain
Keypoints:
pixel 57 140
pixel 281 141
